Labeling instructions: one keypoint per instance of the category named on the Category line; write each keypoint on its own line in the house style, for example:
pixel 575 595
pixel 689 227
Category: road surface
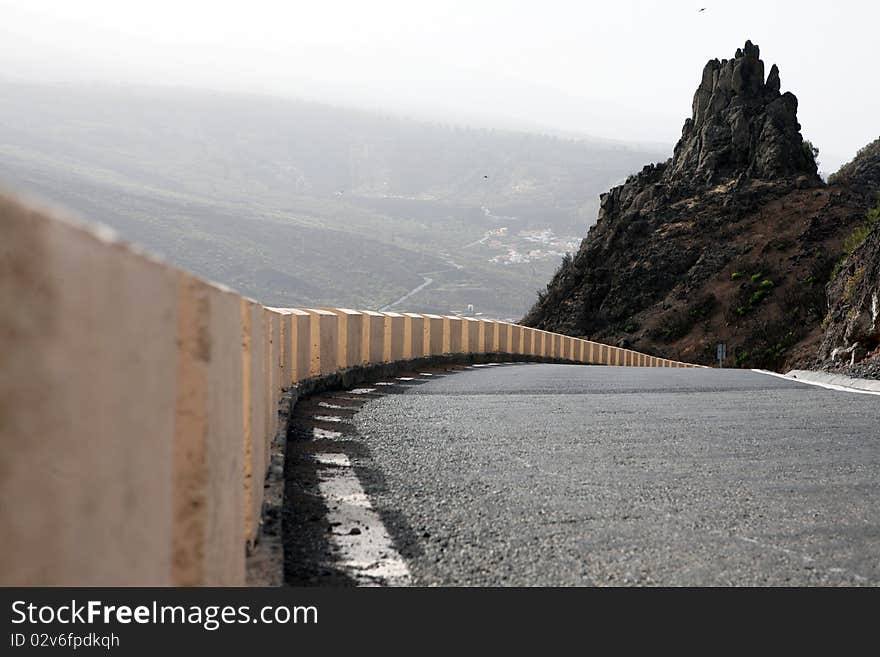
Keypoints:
pixel 536 474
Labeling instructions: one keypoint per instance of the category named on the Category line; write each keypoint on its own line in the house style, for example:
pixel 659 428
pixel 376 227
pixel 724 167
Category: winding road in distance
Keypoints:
pixel 538 474
pixel 453 266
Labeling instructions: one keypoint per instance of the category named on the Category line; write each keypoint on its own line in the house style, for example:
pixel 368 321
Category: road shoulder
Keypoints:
pixel 829 381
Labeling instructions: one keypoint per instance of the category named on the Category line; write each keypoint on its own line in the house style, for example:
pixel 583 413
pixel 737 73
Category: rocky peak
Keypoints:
pixel 730 240
pixel 741 125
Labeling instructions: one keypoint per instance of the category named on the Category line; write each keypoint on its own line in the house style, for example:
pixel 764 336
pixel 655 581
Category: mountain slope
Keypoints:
pixel 731 240
pixel 285 200
pixel 851 338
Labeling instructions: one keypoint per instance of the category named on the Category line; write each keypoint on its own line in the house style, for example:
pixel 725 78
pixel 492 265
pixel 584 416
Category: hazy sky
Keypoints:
pixel 617 69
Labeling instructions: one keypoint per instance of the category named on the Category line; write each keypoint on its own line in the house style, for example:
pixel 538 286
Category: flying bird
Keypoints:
pixel 702 10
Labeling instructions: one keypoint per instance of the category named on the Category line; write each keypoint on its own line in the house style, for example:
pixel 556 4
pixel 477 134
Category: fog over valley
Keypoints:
pixel 379 154
pixel 303 204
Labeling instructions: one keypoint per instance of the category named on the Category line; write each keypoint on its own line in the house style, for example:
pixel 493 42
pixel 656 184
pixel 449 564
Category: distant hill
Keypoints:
pixel 297 203
pixel 733 239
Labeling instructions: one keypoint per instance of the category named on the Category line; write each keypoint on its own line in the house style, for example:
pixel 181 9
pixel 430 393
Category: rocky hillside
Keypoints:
pixel 851 339
pixel 733 239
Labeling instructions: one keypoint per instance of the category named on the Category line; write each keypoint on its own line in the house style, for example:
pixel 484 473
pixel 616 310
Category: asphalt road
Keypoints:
pixel 534 474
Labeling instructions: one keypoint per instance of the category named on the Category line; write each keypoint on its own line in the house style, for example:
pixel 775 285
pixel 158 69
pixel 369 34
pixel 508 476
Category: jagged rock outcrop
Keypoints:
pixel 741 125
pixel 730 240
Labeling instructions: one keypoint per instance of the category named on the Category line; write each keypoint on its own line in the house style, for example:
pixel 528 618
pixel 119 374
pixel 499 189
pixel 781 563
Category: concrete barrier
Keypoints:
pixel 502 344
pixel 395 332
pixel 413 335
pixel 273 378
pixel 452 334
pixel 300 344
pixel 516 339
pixel 350 332
pixel 256 404
pixel 324 343
pixel 373 344
pixel 470 335
pixel 432 335
pixel 209 519
pixel 285 346
pixel 488 334
pixel 139 404
pixel 65 323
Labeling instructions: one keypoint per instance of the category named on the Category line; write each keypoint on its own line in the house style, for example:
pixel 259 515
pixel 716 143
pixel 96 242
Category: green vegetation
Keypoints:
pixel 811 151
pixel 757 297
pixel 858 236
pixel 802 305
pixel 735 276
pixel 752 293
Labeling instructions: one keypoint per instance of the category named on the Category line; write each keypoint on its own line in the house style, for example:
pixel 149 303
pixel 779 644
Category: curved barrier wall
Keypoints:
pixel 138 403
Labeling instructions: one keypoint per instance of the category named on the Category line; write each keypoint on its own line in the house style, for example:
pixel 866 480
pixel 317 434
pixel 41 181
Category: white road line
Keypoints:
pixel 362 391
pixel 325 433
pixel 425 374
pixel 340 460
pixel 327 418
pixel 385 383
pixel 335 406
pixel 364 548
pixel 827 386
pixel 405 378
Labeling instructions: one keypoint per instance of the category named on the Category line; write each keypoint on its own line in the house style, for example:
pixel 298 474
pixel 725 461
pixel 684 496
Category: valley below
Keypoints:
pixel 299 204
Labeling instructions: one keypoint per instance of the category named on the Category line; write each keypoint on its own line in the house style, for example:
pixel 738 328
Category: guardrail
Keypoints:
pixel 138 403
